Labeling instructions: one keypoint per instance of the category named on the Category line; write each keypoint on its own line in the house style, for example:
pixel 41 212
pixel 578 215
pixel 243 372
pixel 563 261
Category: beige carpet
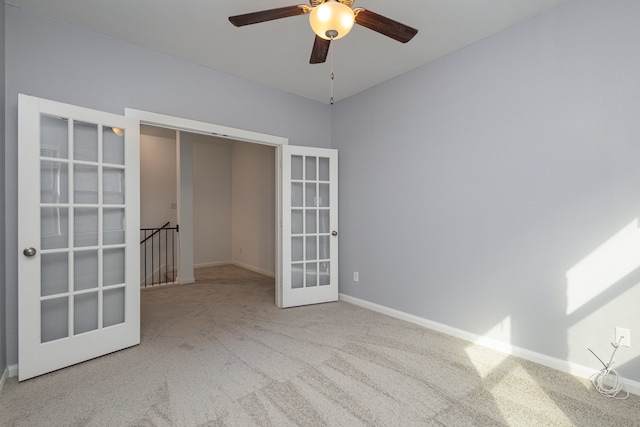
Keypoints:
pixel 220 353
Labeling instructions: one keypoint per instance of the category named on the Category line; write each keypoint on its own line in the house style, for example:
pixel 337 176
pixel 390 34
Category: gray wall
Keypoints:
pixel 48 59
pixel 3 353
pixel 471 188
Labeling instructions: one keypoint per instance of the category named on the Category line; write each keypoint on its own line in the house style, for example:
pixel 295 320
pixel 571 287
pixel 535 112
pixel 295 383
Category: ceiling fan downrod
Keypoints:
pixel 332 75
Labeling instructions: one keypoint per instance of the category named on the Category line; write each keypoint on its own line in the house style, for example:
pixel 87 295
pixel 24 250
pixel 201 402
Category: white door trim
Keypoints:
pixel 195 126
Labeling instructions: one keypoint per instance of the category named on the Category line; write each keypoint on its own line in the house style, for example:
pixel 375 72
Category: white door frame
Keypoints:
pixel 194 126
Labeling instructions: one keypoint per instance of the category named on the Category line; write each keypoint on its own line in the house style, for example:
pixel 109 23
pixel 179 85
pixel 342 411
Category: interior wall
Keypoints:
pixel 158 179
pixel 496 190
pixel 53 60
pixel 254 206
pixel 212 200
pixel 231 210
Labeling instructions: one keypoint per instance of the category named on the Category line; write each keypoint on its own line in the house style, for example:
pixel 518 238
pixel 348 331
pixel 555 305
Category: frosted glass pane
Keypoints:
pixel 85 313
pixel 85 223
pixel 54 228
pixel 113 307
pixel 311 221
pixel 297 248
pixel 296 167
pixel 323 169
pixel 113 184
pixel 310 169
pixel 113 267
pixel 54 182
pixel 54 137
pixel 312 274
pixel 324 247
pixel 324 196
pixel 113 225
pixel 112 146
pixel 324 273
pixel 296 194
pixel 85 184
pixel 85 270
pixel 297 276
pixel 296 222
pixel 85 141
pixel 54 273
pixel 54 319
pixel 324 223
pixel 312 249
pixel 310 195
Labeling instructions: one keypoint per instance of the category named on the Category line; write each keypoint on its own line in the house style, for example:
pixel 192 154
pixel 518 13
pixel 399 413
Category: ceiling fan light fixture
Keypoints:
pixel 331 20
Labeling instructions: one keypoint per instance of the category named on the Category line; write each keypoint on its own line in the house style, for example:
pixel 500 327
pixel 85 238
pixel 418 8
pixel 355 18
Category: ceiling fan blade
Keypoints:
pixel 320 50
pixel 385 26
pixel 268 15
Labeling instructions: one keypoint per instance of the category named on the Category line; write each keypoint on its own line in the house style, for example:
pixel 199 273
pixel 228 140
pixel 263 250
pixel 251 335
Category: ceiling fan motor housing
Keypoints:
pixel 332 19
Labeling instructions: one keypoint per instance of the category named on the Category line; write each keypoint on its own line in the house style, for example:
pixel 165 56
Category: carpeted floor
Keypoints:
pixel 220 353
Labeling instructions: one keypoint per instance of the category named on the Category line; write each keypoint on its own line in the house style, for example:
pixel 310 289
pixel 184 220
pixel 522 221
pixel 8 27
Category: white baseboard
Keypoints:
pixel 255 269
pixel 532 356
pixel 236 263
pixel 212 264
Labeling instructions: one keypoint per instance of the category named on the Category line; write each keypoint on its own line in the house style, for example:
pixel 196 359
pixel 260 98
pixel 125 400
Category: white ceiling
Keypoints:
pixel 276 53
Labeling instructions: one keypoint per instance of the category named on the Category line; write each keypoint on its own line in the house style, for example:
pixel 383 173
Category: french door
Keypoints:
pixel 309 226
pixel 78 206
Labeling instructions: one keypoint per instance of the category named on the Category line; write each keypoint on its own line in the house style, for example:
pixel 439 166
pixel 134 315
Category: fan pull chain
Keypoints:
pixel 332 75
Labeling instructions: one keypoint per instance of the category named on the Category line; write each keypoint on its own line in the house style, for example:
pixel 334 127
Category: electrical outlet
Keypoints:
pixel 623 336
pixel 356 276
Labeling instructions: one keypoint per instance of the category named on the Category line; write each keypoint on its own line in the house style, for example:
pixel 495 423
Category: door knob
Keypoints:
pixel 334 233
pixel 29 252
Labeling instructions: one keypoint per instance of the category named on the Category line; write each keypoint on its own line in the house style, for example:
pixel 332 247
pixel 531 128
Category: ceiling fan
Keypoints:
pixel 330 20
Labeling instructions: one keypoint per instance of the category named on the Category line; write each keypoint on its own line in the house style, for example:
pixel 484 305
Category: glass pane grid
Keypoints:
pixel 74 226
pixel 310 216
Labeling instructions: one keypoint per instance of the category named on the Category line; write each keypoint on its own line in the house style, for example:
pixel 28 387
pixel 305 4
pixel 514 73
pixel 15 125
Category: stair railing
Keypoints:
pixel 158 255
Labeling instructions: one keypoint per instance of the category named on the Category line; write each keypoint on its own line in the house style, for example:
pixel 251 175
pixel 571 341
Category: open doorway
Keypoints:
pixel 233 197
pixel 306 189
